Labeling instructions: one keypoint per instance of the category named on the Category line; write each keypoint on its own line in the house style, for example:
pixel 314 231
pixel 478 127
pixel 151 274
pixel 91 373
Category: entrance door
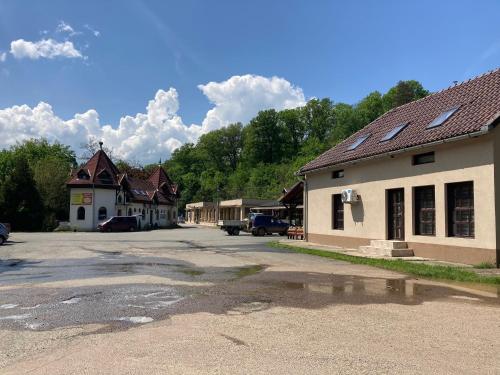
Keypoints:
pixel 396 214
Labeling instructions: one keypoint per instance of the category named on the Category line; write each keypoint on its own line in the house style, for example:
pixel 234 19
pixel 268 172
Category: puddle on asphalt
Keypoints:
pixel 192 272
pixel 249 270
pixel 15 271
pixel 352 289
pixel 231 291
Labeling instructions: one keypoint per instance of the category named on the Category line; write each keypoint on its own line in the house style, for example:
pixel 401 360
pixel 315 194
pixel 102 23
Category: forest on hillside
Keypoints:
pixel 254 160
pixel 259 159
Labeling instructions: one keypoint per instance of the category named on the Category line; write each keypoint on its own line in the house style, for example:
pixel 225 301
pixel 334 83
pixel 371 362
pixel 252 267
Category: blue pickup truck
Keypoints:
pixel 266 224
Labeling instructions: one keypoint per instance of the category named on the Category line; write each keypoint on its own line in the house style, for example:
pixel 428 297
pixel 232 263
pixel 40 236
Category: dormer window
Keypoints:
pixel 440 120
pixel 82 175
pixel 105 178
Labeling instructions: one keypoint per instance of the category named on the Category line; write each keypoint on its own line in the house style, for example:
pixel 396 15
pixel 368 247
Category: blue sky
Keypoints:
pixel 336 49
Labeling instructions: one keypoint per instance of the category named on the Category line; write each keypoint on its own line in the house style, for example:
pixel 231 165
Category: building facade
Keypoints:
pixel 98 191
pixel 209 213
pixel 426 173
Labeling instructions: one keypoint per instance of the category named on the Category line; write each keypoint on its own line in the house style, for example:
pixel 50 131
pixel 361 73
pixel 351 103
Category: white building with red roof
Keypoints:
pixel 100 191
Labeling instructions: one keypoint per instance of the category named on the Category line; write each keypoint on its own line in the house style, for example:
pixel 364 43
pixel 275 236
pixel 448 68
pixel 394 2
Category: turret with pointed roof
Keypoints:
pixel 98 171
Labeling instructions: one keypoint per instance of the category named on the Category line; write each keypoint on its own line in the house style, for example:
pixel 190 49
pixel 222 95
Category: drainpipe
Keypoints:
pixel 305 210
pixel 93 207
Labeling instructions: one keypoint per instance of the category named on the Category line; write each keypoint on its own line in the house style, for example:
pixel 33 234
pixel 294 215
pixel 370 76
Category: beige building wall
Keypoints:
pixel 470 160
pixel 204 213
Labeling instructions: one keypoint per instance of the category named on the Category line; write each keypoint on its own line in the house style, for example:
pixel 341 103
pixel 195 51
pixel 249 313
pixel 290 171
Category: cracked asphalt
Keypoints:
pixel 194 300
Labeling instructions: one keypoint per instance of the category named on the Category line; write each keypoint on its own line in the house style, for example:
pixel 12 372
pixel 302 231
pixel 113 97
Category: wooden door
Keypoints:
pixel 396 214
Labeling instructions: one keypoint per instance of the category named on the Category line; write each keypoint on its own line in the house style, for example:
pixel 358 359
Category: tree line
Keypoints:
pixel 259 159
pixel 254 160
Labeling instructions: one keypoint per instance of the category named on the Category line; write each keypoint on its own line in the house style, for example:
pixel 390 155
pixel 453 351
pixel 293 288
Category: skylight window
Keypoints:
pixel 392 133
pixel 357 142
pixel 442 118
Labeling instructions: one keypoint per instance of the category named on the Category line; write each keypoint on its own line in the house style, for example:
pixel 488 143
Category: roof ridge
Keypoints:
pixel 476 113
pixel 465 81
pixel 441 91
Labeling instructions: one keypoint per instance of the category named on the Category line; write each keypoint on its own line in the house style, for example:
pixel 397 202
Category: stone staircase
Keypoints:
pixel 387 248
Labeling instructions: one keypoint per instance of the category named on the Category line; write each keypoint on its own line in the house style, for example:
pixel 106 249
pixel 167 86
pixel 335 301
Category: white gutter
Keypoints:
pixel 484 130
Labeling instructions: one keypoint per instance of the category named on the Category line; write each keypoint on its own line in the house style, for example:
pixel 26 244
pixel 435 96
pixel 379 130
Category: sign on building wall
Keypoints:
pixel 81 198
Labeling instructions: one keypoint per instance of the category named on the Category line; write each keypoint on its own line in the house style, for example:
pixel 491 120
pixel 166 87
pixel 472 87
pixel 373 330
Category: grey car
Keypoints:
pixel 4 234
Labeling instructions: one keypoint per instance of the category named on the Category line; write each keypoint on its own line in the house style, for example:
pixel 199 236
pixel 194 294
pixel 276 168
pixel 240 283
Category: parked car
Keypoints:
pixel 266 224
pixel 4 234
pixel 119 223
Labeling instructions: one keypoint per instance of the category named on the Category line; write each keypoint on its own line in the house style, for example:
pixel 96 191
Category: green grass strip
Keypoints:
pixel 412 268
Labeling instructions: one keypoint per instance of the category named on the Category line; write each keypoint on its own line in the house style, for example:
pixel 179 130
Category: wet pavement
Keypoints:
pixel 117 282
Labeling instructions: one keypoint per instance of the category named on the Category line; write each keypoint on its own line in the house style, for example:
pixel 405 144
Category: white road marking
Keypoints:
pixel 138 319
pixel 8 306
pixel 15 317
pixel 72 300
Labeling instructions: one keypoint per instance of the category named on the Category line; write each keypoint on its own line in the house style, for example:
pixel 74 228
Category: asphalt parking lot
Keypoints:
pixel 194 300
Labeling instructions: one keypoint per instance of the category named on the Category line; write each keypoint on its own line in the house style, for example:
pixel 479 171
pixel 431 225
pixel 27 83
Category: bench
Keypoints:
pixel 295 233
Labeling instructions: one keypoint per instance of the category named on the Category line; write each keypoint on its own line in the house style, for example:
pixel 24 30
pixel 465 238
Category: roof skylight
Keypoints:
pixel 442 118
pixel 392 133
pixel 358 141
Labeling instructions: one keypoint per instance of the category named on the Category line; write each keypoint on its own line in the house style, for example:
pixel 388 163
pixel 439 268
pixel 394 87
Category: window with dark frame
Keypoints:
pixel 337 212
pixel 460 197
pixel 102 213
pixel 105 178
pixel 338 174
pixel 426 158
pixel 80 213
pixel 425 211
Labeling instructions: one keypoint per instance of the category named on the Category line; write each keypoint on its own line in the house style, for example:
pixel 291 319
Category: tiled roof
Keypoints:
pixel 158 186
pixel 159 176
pixel 294 195
pixel 94 169
pixel 479 106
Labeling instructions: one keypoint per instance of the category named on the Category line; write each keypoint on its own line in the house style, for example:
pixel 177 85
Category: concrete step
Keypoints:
pixel 381 251
pixel 389 244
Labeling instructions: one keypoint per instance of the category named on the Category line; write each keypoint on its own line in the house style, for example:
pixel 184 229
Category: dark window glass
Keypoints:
pixel 460 209
pixel 82 175
pixel 80 214
pixel 392 133
pixel 143 214
pixel 442 118
pixel 358 141
pixel 338 174
pixel 337 212
pixel 119 213
pixel 105 178
pixel 129 212
pixel 428 157
pixel 425 211
pixel 102 213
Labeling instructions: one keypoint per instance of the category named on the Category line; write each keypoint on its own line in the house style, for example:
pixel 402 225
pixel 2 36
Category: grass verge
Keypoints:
pixel 412 268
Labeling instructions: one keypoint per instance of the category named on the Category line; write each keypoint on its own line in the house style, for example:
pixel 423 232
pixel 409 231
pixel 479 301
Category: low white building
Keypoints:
pixel 99 191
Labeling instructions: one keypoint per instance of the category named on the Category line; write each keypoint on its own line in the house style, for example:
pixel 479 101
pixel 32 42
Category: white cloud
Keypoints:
pixel 45 48
pixel 160 130
pixel 241 97
pixel 3 56
pixel 63 27
pixel 144 137
pixel 92 30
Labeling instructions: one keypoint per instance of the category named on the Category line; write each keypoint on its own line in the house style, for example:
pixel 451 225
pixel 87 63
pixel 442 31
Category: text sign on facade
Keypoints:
pixel 81 198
